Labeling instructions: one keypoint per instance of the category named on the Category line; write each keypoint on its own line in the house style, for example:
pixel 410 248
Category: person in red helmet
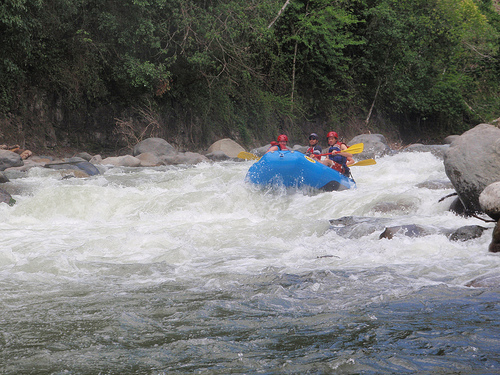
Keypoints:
pixel 281 144
pixel 338 159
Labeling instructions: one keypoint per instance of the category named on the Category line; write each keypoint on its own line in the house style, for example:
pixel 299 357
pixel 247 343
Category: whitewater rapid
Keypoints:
pixel 181 269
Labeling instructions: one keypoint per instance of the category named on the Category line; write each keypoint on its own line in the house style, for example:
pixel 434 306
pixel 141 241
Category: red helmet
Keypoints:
pixel 282 138
pixel 332 134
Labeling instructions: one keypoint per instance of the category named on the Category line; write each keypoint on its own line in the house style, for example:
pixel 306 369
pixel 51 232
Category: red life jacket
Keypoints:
pixel 339 162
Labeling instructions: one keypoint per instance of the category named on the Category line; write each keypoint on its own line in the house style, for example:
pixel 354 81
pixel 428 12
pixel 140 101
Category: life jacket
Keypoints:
pixel 310 151
pixel 339 161
pixel 282 149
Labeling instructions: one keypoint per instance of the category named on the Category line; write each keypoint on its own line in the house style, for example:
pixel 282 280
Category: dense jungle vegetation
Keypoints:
pixel 92 73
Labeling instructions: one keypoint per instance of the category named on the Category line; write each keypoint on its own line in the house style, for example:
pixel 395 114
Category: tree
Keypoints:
pixel 421 58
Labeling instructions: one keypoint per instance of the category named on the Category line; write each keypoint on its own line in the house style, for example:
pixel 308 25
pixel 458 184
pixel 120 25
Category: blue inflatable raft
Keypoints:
pixel 294 169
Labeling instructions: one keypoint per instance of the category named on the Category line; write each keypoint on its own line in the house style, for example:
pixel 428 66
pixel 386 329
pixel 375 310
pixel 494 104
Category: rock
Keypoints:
pixel 218 156
pixel 84 155
pixel 468 232
pixel 3 178
pixel 486 281
pixel 156 146
pixel 450 139
pixel 72 173
pixel 375 145
pixel 75 163
pixel 96 159
pixel 489 200
pixel 25 154
pixel 495 241
pixel 354 227
pixel 436 150
pixel 148 159
pixel 9 159
pixel 88 168
pixel 183 158
pixel 411 230
pixel 471 163
pixel 6 198
pixel 122 161
pixel 27 164
pixel 458 208
pixel 227 146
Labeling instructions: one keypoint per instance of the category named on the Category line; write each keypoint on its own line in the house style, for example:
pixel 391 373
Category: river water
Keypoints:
pixel 188 269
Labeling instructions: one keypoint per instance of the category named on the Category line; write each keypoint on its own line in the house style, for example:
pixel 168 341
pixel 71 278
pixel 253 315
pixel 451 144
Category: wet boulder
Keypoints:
pixel 148 159
pixel 495 241
pixel 375 145
pixel 217 156
pixel 411 230
pixel 122 161
pixel 156 146
pixel 5 197
pixel 471 163
pixel 465 233
pixel 485 281
pixel 9 159
pixel 84 155
pixel 450 139
pixel 227 146
pixel 489 200
pixel 183 158
pixel 75 163
pixel 354 227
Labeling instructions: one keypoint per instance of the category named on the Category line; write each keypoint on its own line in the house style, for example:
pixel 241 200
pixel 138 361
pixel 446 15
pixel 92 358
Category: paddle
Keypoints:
pixel 247 156
pixel 363 163
pixel 354 149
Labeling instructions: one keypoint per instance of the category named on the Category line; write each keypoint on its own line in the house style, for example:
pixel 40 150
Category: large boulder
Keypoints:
pixel 122 161
pixel 183 158
pixel 375 145
pixel 148 159
pixel 9 159
pixel 227 146
pixel 495 240
pixel 155 146
pixel 489 200
pixel 472 163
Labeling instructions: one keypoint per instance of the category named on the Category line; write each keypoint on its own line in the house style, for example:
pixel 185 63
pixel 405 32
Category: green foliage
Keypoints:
pixel 424 55
pixel 250 69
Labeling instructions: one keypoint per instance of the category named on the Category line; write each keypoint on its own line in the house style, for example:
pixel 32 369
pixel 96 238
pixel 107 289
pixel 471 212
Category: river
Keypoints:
pixel 188 269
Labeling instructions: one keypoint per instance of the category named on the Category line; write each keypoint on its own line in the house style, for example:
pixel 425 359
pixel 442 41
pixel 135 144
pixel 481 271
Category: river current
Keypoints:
pixel 188 269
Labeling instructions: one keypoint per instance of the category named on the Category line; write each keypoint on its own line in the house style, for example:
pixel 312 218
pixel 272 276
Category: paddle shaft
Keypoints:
pixel 354 149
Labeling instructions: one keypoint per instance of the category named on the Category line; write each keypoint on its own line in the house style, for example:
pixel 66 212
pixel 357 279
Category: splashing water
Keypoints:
pixel 190 269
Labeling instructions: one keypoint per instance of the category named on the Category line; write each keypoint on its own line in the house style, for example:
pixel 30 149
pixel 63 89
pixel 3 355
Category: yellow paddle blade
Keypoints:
pixel 362 163
pixel 247 156
pixel 355 149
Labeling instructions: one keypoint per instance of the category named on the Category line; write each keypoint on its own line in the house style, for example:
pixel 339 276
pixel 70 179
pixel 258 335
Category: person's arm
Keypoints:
pixel 273 148
pixel 348 155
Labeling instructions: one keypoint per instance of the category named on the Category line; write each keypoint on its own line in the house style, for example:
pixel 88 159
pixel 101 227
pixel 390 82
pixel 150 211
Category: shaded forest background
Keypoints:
pixel 102 75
